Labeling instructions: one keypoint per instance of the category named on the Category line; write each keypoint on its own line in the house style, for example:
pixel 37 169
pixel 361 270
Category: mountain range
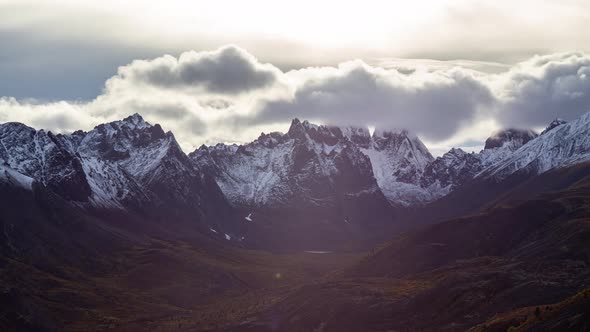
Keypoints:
pixel 328 185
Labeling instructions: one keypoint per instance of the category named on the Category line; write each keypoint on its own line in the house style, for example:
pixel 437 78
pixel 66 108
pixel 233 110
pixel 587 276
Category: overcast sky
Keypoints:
pixel 452 71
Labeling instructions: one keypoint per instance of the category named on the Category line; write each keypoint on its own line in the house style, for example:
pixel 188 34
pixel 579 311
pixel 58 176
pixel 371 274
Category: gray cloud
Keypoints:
pixel 545 87
pixel 229 70
pixel 434 105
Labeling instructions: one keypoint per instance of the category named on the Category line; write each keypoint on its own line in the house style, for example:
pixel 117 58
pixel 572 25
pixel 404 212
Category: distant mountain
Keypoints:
pixel 506 173
pixel 330 185
pixel 456 167
pixel 276 168
pixel 126 165
pixel 399 159
pixel 561 144
pixel 314 178
pixel 297 168
pixel 503 175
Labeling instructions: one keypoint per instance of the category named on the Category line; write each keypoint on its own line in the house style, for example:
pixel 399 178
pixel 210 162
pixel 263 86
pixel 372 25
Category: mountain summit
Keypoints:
pixel 126 165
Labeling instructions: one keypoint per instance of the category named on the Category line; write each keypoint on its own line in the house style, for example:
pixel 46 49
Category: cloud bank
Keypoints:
pixel 228 95
pixel 537 90
pixel 433 104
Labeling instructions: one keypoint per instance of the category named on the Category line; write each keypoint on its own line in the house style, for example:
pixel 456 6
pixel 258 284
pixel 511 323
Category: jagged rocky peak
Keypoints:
pixel 454 153
pixel 131 126
pixel 15 127
pixel 457 167
pixel 115 140
pixel 555 123
pixel 397 157
pixel 135 121
pixel 277 167
pixel 451 170
pixel 296 130
pixel 357 135
pixel 302 131
pixel 219 147
pixel 270 140
pixel 46 157
pixel 511 138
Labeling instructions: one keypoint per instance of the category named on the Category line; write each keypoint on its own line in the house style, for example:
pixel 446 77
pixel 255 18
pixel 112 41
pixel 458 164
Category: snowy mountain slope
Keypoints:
pixel 398 160
pixel 555 123
pixel 129 158
pixel 457 167
pixel 449 171
pixel 310 165
pixel 46 157
pixel 561 145
pixel 84 167
pixel 257 174
pixel 11 177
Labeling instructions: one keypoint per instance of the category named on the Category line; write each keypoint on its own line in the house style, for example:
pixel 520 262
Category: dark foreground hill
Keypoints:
pixel 490 270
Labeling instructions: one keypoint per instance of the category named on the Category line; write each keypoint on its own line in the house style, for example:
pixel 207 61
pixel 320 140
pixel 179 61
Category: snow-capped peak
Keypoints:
pixel 510 138
pixel 553 124
pixel 357 135
pixel 103 166
pixel 562 145
pixel 135 121
pixel 275 166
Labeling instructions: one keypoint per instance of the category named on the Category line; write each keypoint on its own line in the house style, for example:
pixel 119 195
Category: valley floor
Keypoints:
pixel 163 286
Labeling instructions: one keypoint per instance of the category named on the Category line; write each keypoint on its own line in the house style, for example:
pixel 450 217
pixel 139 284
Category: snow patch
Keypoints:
pixel 15 178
